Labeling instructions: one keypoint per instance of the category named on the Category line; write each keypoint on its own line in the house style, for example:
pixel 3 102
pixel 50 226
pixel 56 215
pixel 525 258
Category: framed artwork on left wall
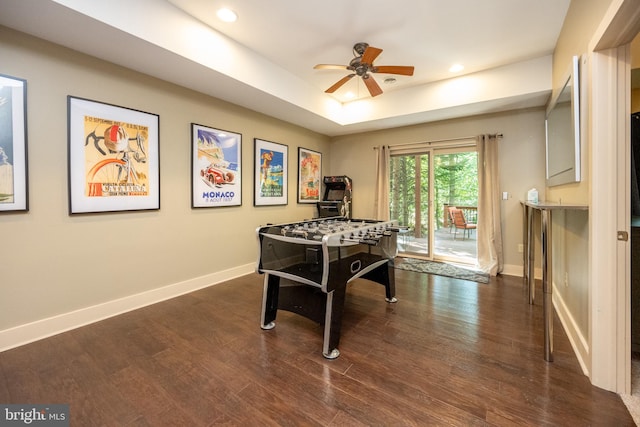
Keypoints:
pixel 271 173
pixel 14 195
pixel 114 158
pixel 309 175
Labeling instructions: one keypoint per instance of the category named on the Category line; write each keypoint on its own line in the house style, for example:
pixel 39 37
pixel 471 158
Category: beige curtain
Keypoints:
pixel 490 258
pixel 381 204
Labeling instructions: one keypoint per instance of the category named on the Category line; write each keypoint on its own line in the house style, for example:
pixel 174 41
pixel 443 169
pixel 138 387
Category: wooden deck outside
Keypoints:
pixel 447 244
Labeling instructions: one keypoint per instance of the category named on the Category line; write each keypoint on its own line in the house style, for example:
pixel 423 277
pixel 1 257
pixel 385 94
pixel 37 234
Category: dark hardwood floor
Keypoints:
pixel 450 352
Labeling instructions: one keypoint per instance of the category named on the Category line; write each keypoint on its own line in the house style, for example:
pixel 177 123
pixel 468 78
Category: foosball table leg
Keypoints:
pixel 390 286
pixel 333 322
pixel 385 275
pixel 270 301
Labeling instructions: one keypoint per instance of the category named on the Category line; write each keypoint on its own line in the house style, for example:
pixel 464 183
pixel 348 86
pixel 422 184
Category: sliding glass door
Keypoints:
pixel 409 200
pixel 425 187
pixel 456 188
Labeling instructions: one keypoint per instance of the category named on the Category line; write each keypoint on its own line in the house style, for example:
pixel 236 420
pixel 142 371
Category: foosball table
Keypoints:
pixel 307 266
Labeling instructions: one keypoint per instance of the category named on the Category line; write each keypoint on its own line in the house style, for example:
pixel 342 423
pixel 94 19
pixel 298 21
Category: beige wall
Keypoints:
pixel 53 263
pixel 580 24
pixel 583 17
pixel 521 157
pixel 571 228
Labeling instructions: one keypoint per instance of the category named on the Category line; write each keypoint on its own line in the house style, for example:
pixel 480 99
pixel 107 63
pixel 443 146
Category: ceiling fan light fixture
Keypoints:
pixel 227 15
pixel 362 65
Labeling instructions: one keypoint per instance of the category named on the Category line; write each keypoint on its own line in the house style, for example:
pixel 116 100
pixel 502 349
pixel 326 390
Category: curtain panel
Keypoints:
pixel 382 183
pixel 490 257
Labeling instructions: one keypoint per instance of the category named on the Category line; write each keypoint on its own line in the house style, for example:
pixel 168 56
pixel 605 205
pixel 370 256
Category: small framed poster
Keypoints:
pixel 309 175
pixel 270 173
pixel 13 144
pixel 216 172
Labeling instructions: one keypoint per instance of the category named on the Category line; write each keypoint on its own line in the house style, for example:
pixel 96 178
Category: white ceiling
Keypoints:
pixel 265 60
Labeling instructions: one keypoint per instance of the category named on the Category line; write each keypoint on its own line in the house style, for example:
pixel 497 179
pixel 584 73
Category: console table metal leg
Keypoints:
pixel 525 241
pixel 547 289
pixel 531 283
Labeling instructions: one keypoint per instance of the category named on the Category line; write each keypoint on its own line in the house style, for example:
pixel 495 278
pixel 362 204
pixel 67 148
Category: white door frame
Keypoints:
pixel 610 328
pixel 609 258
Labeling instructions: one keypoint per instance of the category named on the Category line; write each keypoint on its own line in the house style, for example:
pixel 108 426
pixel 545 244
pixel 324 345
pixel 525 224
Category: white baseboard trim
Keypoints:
pixel 34 331
pixel 512 270
pixel 578 342
pixel 517 270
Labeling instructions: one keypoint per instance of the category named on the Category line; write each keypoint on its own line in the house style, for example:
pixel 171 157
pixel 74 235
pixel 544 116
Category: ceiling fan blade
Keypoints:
pixel 372 85
pixel 394 69
pixel 339 83
pixel 330 67
pixel 370 54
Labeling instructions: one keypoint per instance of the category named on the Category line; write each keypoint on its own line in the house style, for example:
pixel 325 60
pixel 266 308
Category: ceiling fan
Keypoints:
pixel 362 65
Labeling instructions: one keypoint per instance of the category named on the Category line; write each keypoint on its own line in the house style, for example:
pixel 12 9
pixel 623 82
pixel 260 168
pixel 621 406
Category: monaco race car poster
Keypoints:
pixel 215 167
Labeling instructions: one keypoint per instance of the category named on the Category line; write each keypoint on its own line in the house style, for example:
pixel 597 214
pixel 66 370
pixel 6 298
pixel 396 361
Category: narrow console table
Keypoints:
pixel 545 209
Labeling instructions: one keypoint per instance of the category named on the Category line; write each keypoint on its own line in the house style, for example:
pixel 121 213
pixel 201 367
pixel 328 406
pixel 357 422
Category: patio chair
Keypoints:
pixel 460 222
pixel 450 210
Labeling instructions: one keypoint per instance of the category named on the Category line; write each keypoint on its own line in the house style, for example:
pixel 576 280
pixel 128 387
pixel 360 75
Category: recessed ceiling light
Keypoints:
pixel 390 80
pixel 227 15
pixel 455 68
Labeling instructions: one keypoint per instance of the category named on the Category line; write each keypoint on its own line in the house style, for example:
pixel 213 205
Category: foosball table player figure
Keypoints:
pixel 307 266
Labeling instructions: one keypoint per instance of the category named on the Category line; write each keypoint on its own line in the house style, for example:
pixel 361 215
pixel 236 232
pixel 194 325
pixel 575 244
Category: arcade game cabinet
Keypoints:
pixel 337 197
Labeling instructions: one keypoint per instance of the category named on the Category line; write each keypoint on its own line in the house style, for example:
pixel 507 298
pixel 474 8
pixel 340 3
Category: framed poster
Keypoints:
pixel 216 174
pixel 309 171
pixel 13 144
pixel 114 159
pixel 270 173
